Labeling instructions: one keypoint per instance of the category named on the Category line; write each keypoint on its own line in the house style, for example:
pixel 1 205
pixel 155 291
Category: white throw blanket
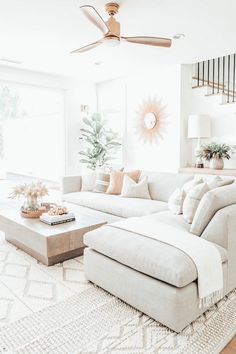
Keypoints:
pixel 204 254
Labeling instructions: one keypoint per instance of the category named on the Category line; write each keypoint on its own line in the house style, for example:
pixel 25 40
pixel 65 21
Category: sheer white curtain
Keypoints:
pixel 32 130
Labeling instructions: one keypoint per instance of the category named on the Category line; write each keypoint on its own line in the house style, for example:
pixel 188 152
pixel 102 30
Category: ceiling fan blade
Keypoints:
pixel 87 47
pixel 155 41
pixel 93 16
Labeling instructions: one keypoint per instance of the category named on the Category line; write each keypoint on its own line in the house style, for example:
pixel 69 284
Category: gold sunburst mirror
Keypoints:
pixel 150 122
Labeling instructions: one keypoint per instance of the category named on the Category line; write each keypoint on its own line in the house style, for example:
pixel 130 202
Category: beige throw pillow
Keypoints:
pixel 88 182
pixel 131 189
pixel 102 181
pixel 176 200
pixel 211 202
pixel 192 200
pixel 116 180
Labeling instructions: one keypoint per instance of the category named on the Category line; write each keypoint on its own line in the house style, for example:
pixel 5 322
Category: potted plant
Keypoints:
pixel 100 142
pixel 216 153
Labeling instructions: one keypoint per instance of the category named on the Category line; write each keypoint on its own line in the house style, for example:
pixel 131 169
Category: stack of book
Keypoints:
pixel 57 219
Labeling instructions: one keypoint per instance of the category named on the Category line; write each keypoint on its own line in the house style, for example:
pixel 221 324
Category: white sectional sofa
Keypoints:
pixel 161 185
pixel 154 277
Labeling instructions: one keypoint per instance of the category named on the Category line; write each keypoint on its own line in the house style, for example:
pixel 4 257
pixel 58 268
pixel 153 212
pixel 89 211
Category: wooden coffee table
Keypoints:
pixel 48 244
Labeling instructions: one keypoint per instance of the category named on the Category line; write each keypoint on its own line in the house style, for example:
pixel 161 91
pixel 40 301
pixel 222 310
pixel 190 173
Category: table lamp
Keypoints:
pixel 199 126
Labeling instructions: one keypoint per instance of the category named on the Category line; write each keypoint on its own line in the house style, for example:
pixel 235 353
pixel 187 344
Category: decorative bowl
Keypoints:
pixel 34 214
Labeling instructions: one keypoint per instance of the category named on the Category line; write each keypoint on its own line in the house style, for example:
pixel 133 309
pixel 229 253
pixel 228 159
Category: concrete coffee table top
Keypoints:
pixel 48 244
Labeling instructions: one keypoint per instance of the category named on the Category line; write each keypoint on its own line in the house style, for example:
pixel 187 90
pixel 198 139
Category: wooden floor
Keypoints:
pixel 231 347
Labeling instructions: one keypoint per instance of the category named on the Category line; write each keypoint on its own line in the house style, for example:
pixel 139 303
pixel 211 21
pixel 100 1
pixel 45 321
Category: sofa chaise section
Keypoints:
pixel 151 257
pixel 156 278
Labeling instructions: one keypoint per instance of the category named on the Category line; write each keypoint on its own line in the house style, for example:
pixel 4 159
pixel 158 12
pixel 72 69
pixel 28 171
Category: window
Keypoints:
pixel 31 130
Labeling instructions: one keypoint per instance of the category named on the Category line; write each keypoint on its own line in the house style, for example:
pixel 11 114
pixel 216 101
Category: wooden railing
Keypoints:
pixel 218 75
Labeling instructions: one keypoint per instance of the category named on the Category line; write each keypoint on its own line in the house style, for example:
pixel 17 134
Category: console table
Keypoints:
pixel 208 171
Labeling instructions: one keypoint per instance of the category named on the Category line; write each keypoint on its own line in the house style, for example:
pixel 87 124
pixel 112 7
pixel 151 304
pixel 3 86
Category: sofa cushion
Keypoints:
pixel 175 202
pixel 102 181
pixel 176 199
pixel 168 218
pixel 211 202
pixel 217 181
pixel 192 201
pixel 82 210
pixel 162 184
pixel 88 181
pixel 115 204
pixel 156 259
pixel 131 189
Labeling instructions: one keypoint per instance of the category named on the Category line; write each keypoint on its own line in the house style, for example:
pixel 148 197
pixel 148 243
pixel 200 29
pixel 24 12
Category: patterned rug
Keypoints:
pixel 54 310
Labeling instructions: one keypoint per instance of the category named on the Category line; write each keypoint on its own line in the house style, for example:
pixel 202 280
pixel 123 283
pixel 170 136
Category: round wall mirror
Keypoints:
pixel 150 120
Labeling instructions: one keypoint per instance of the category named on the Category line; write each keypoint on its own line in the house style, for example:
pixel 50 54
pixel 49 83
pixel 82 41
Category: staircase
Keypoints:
pixel 218 76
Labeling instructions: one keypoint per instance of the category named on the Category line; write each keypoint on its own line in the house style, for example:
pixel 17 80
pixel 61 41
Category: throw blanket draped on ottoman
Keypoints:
pixel 204 254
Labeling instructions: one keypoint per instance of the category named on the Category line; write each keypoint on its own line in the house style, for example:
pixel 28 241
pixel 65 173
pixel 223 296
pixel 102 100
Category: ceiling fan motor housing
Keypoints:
pixel 112 8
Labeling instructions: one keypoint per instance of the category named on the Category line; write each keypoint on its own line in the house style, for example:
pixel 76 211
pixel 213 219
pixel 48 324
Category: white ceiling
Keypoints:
pixel 41 33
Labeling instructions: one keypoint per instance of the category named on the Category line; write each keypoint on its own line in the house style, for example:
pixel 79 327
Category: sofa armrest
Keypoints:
pixel 222 226
pixel 222 231
pixel 70 184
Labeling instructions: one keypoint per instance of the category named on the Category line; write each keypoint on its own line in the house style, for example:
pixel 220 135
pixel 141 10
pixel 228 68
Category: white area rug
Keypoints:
pixel 54 310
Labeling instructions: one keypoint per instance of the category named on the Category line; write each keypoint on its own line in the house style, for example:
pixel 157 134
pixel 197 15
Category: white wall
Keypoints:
pixel 223 117
pixel 173 85
pixel 78 93
pixel 75 92
pixel 164 84
pixel 111 103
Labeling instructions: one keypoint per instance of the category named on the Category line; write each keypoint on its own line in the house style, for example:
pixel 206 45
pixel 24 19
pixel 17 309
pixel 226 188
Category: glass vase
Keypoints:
pixel 31 203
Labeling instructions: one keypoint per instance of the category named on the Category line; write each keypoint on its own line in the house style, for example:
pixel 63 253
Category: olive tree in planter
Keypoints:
pixel 101 143
pixel 216 153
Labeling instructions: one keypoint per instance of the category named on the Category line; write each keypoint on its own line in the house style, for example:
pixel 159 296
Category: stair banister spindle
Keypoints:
pixel 213 74
pixel 223 74
pixel 203 73
pixel 228 78
pixel 234 77
pixel 208 72
pixel 218 74
pixel 198 73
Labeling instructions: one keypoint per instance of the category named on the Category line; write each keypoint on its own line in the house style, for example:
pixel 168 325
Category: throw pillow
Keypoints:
pixel 176 200
pixel 131 189
pixel 189 185
pixel 217 181
pixel 102 181
pixel 88 182
pixel 211 202
pixel 192 200
pixel 116 180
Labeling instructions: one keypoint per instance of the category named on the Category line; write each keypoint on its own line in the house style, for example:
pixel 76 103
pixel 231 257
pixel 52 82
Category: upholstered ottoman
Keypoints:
pixel 156 278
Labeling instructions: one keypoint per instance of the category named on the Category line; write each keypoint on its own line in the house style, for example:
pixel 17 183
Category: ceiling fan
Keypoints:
pixel 111 30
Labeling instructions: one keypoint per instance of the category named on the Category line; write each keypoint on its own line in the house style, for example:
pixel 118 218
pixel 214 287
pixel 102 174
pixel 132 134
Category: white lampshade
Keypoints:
pixel 199 126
